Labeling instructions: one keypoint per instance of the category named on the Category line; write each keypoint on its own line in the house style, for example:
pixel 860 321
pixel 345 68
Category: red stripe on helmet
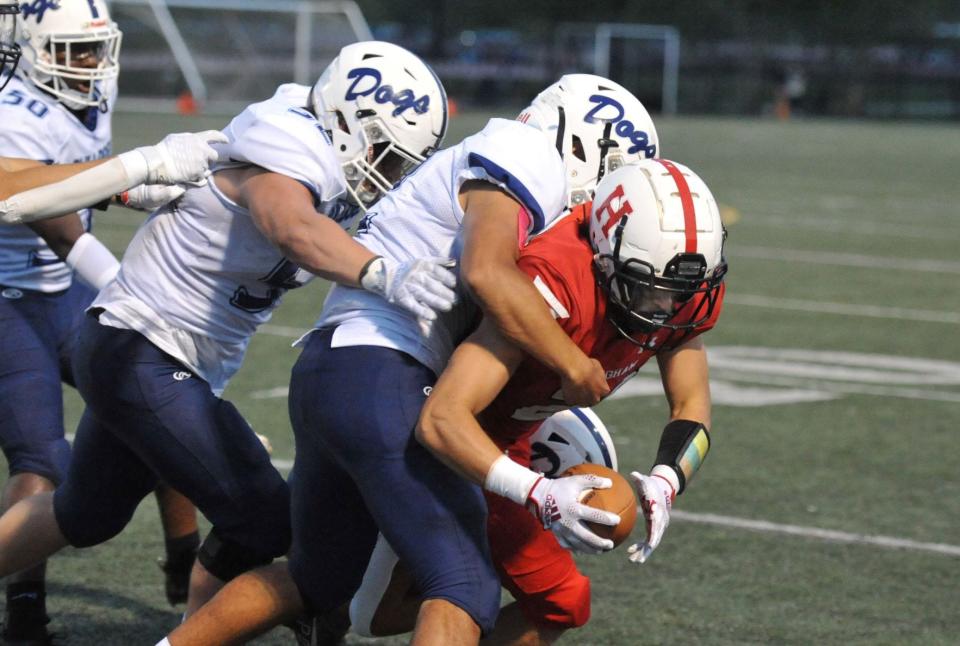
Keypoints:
pixel 686 200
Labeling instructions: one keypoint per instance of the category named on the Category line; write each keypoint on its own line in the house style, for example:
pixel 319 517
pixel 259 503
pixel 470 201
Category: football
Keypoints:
pixel 620 499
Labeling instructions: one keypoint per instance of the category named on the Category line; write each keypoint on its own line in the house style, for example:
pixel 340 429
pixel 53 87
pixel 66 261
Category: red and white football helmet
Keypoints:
pixel 9 49
pixel 656 231
pixel 70 47
pixel 598 126
pixel 385 111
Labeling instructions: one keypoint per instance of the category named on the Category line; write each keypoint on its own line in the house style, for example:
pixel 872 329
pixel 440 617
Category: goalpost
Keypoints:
pixel 607 35
pixel 221 54
pixel 642 58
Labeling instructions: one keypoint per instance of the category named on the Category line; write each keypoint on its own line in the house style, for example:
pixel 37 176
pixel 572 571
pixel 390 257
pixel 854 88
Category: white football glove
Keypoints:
pixel 148 197
pixel 422 287
pixel 656 495
pixel 182 157
pixel 556 504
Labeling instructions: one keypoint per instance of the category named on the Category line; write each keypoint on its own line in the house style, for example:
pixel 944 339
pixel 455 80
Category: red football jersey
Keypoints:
pixel 560 263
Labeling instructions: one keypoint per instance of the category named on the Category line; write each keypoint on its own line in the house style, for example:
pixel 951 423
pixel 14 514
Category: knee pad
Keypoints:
pixel 226 559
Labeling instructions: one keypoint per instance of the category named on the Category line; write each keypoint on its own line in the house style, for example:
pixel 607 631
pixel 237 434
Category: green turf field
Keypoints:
pixel 829 509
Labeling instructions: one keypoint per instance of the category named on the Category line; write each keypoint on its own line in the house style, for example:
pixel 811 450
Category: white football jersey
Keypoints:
pixel 421 217
pixel 199 277
pixel 34 125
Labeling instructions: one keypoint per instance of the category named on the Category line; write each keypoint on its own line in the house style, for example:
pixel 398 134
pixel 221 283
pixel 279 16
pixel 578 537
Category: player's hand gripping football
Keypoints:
pixel 656 496
pixel 182 158
pixel 421 286
pixel 556 503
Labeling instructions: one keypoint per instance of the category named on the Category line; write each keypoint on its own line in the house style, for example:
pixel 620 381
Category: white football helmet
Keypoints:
pixel 9 49
pixel 70 48
pixel 597 125
pixel 385 111
pixel 569 438
pixel 658 239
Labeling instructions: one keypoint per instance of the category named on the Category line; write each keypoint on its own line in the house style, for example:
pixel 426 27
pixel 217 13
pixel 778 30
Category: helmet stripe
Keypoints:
pixel 686 200
pixel 604 450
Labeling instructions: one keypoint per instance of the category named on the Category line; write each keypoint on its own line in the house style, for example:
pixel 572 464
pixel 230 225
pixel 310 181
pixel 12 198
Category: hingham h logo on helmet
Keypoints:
pixel 624 127
pixel 613 215
pixel 403 99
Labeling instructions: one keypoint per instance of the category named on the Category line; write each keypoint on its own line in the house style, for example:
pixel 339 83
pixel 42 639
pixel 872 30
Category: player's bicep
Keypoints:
pixel 479 369
pixel 276 203
pixel 685 375
pixel 490 228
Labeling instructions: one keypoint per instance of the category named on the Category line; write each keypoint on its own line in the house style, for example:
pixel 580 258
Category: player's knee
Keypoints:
pixel 479 598
pixel 563 606
pixel 85 525
pixel 43 457
pixel 227 559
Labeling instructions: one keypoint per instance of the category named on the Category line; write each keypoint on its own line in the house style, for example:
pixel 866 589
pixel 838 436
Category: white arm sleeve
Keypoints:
pixel 80 191
pixel 92 261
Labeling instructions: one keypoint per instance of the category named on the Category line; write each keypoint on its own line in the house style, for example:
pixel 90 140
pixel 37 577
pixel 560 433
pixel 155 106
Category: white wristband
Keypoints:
pixel 92 261
pixel 136 164
pixel 373 276
pixel 668 474
pixel 512 481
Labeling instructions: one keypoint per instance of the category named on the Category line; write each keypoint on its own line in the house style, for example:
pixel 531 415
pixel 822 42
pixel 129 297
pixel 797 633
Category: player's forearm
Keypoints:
pixel 476 373
pixel 320 246
pixel 508 297
pixel 455 438
pixel 686 382
pixel 50 191
pixel 25 174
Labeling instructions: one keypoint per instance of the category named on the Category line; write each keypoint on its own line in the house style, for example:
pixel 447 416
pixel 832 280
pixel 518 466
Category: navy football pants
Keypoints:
pixel 148 419
pixel 358 467
pixel 38 335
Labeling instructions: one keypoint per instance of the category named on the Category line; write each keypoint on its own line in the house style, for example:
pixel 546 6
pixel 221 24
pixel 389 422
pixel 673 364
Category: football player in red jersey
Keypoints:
pixel 641 279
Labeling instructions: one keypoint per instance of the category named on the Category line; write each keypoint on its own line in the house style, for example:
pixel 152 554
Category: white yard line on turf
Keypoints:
pixel 845 309
pixel 847 259
pixel 829 535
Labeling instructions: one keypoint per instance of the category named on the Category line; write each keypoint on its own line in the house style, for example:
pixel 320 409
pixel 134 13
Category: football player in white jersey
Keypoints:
pixel 358 466
pixel 163 339
pixel 56 109
pixel 178 159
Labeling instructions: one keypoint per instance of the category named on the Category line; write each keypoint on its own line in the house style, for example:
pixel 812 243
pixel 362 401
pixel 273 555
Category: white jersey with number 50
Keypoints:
pixel 421 217
pixel 34 125
pixel 199 277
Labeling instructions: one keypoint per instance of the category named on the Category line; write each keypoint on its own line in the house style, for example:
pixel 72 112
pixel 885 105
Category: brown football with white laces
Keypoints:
pixel 619 499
